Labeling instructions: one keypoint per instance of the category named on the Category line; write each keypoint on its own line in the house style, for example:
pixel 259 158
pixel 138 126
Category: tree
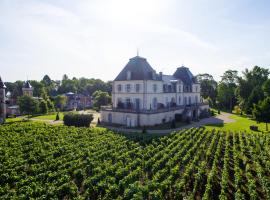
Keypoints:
pixel 101 98
pixel 38 88
pixel 208 86
pixel 261 111
pixel 266 87
pixel 226 89
pixel 47 80
pixel 48 101
pixel 60 101
pixel 251 79
pixel 28 105
pixel 65 77
pixel 43 107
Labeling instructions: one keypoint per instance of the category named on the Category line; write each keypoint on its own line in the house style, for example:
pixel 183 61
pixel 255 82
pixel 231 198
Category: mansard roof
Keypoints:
pixel 139 69
pixel 27 85
pixel 2 84
pixel 185 75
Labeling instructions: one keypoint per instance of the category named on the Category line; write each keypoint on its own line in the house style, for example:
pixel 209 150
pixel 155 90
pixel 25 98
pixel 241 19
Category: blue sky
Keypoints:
pixel 95 38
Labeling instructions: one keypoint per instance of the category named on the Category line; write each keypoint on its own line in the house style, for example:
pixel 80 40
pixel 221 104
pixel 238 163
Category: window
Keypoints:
pixel 128 75
pixel 128 87
pixel 154 103
pixel 155 87
pixel 119 88
pixel 180 88
pixel 196 99
pixel 185 101
pixel 189 100
pixel 179 99
pixel 137 87
pixel 128 103
pixel 196 88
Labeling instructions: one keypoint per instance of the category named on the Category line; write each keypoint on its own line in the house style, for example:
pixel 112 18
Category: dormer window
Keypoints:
pixel 128 75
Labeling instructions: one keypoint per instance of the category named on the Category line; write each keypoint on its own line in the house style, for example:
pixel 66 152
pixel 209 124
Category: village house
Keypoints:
pixel 141 97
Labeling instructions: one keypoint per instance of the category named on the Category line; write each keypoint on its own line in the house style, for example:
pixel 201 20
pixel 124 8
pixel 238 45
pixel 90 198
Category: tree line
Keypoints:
pixel 247 93
pixel 51 93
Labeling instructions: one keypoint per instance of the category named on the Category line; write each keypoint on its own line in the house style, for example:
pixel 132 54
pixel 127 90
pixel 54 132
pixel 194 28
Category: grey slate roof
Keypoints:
pixel 2 84
pixel 185 75
pixel 140 70
pixel 27 85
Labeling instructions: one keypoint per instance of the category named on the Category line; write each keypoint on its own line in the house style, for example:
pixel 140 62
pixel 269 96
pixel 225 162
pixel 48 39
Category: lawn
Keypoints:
pixel 49 116
pixel 241 124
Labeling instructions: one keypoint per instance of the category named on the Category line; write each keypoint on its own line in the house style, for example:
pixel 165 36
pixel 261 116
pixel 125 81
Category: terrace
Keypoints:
pixel 159 109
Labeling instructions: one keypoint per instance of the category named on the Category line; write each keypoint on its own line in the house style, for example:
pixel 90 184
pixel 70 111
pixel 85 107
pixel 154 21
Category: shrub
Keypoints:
pixel 78 120
pixel 237 110
pixel 144 130
pixel 57 117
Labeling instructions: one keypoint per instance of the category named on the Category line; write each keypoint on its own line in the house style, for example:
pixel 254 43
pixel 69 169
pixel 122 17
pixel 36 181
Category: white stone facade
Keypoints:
pixel 153 99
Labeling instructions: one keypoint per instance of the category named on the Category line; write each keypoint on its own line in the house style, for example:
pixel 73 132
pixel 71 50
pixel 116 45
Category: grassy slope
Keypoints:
pixel 240 124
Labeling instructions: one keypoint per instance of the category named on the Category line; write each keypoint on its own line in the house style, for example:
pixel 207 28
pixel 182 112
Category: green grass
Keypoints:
pixel 49 116
pixel 241 124
pixel 11 120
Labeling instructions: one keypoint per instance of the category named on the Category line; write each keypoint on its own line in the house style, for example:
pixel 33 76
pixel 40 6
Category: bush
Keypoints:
pixel 78 120
pixel 144 130
pixel 237 110
pixel 57 117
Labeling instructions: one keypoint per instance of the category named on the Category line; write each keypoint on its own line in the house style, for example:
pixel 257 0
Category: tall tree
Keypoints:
pixel 251 81
pixel 226 89
pixel 208 87
pixel 47 80
pixel 101 98
pixel 261 111
pixel 266 87
pixel 60 101
pixel 28 105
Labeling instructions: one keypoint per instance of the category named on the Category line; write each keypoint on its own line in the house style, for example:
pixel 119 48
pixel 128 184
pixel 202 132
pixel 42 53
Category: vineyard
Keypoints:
pixel 56 162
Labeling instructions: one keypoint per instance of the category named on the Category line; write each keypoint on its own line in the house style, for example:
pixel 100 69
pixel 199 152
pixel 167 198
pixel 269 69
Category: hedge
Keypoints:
pixel 78 120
